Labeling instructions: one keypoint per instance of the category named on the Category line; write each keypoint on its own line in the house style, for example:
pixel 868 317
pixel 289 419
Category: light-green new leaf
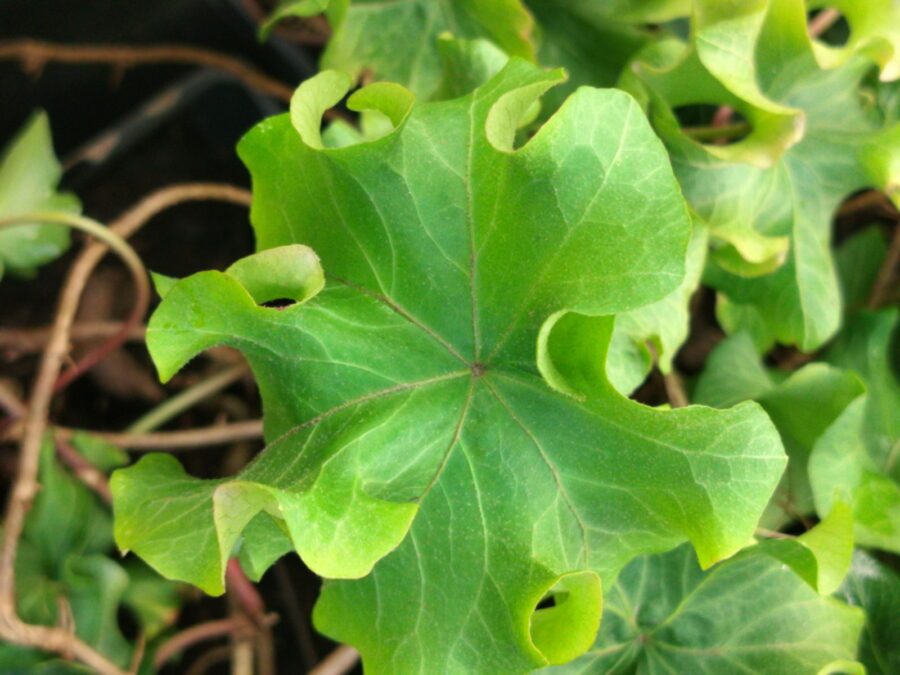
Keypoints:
pixel 769 198
pixel 29 175
pixel 439 415
pixel 750 614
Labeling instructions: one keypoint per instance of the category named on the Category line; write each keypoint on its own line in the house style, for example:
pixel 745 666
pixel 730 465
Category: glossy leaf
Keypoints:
pixel 439 417
pixel 29 175
pixel 749 614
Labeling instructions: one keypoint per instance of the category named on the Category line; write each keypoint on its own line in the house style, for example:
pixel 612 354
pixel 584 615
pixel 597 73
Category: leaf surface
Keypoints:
pixel 748 614
pixel 802 406
pixel 439 416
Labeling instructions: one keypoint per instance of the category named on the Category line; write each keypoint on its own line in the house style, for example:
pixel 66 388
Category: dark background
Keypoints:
pixel 191 141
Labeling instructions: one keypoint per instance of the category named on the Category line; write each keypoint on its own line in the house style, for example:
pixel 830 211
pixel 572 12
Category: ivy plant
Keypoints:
pixel 65 573
pixel 658 619
pixel 445 446
pixel 815 138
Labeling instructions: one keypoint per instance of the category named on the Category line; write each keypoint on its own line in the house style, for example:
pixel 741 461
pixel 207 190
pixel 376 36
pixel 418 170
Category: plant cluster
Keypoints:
pixel 457 292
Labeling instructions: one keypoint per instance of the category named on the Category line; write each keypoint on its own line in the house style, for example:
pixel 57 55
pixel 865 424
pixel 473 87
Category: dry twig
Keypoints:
pixel 172 441
pixel 822 21
pixel 205 631
pixel 337 662
pixel 35 54
pixel 18 341
pixel 888 272
pixel 12 628
pixel 125 226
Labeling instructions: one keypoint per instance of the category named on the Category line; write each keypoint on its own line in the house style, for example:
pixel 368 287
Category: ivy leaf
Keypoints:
pixel 29 174
pixel 769 198
pixel 663 325
pixel 748 614
pixel 865 347
pixel 374 37
pixel 855 460
pixel 593 41
pixel 62 562
pixel 404 403
pixel 841 468
pixel 875 588
pixel 822 555
pixel 293 8
pixel 802 407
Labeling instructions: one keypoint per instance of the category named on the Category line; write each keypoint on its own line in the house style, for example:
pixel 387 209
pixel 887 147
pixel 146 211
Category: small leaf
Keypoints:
pixel 29 175
pixel 822 555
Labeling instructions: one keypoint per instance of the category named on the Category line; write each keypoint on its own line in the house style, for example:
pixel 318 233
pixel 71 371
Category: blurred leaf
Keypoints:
pixel 875 587
pixel 29 174
pixel 398 41
pixel 859 259
pixel 810 145
pixel 802 407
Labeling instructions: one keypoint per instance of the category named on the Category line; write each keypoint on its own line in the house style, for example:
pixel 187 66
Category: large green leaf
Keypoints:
pixel 29 174
pixel 815 139
pixel 750 614
pixel 875 588
pixel 440 410
pixel 802 406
